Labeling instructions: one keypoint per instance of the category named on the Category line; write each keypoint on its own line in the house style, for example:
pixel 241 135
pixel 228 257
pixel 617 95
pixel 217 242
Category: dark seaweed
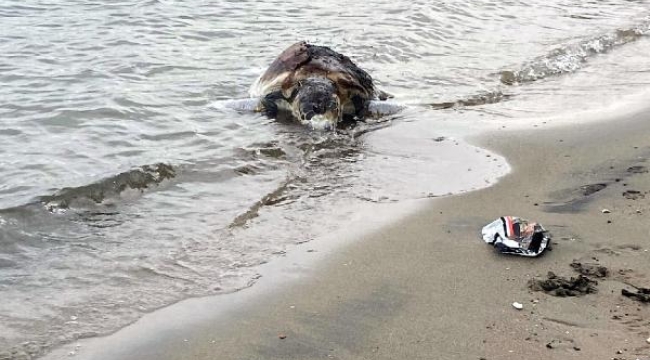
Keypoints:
pixel 560 286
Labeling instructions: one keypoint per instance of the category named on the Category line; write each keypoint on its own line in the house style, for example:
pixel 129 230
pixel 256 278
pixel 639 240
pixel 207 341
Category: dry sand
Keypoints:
pixel 429 288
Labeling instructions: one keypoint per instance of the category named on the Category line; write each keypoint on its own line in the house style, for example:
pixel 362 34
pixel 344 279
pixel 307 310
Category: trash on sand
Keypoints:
pixel 517 305
pixel 605 211
pixel 641 294
pixel 513 235
pixel 560 286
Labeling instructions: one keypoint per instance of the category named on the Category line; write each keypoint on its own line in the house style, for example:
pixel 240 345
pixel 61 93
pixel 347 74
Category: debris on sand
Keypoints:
pixel 638 169
pixel 514 235
pixel 560 286
pixel 567 344
pixel 590 269
pixel 641 294
pixel 517 305
pixel 633 195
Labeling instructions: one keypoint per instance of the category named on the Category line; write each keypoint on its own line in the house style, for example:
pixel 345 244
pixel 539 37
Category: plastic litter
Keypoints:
pixel 517 305
pixel 514 235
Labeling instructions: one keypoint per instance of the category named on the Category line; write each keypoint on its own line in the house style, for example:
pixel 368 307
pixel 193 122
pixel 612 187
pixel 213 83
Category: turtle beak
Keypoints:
pixel 318 115
pixel 323 122
pixel 329 119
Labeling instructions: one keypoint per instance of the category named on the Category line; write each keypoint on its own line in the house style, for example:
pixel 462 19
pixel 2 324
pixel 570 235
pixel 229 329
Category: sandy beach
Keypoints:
pixel 427 287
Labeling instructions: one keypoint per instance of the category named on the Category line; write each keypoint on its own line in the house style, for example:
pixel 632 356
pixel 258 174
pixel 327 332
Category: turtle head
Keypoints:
pixel 316 104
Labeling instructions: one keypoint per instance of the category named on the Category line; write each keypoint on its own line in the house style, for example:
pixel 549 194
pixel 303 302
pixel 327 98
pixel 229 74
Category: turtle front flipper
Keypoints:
pixel 250 104
pixel 269 104
pixel 378 109
pixel 360 107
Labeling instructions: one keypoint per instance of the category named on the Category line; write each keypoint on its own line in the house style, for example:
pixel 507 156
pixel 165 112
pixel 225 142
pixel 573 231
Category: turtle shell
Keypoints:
pixel 303 60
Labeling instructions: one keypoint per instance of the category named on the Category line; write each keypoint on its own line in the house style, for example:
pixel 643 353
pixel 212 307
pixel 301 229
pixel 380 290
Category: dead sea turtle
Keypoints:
pixel 316 86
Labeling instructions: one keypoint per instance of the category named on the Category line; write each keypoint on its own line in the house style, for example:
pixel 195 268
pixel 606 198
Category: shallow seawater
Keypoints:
pixel 125 189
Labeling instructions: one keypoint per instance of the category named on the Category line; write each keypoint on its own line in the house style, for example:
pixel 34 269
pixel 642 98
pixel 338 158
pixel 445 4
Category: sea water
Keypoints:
pixel 124 188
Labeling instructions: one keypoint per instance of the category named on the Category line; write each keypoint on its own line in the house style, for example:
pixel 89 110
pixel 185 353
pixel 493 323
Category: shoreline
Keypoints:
pixel 428 287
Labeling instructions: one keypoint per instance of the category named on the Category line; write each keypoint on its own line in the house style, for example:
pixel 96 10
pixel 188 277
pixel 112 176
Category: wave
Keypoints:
pixel 570 58
pixel 136 179
pixel 486 98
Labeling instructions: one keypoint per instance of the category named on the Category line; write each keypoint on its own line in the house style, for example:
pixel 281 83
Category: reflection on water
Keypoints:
pixel 124 190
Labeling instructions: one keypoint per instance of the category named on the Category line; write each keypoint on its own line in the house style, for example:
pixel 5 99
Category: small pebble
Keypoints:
pixel 282 336
pixel 517 305
pixel 648 340
pixel 605 211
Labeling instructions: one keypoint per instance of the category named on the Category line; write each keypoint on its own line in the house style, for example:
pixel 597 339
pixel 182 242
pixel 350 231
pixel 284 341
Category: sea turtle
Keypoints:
pixel 316 86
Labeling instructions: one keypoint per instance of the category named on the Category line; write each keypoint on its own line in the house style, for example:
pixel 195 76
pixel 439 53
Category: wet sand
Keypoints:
pixel 427 287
